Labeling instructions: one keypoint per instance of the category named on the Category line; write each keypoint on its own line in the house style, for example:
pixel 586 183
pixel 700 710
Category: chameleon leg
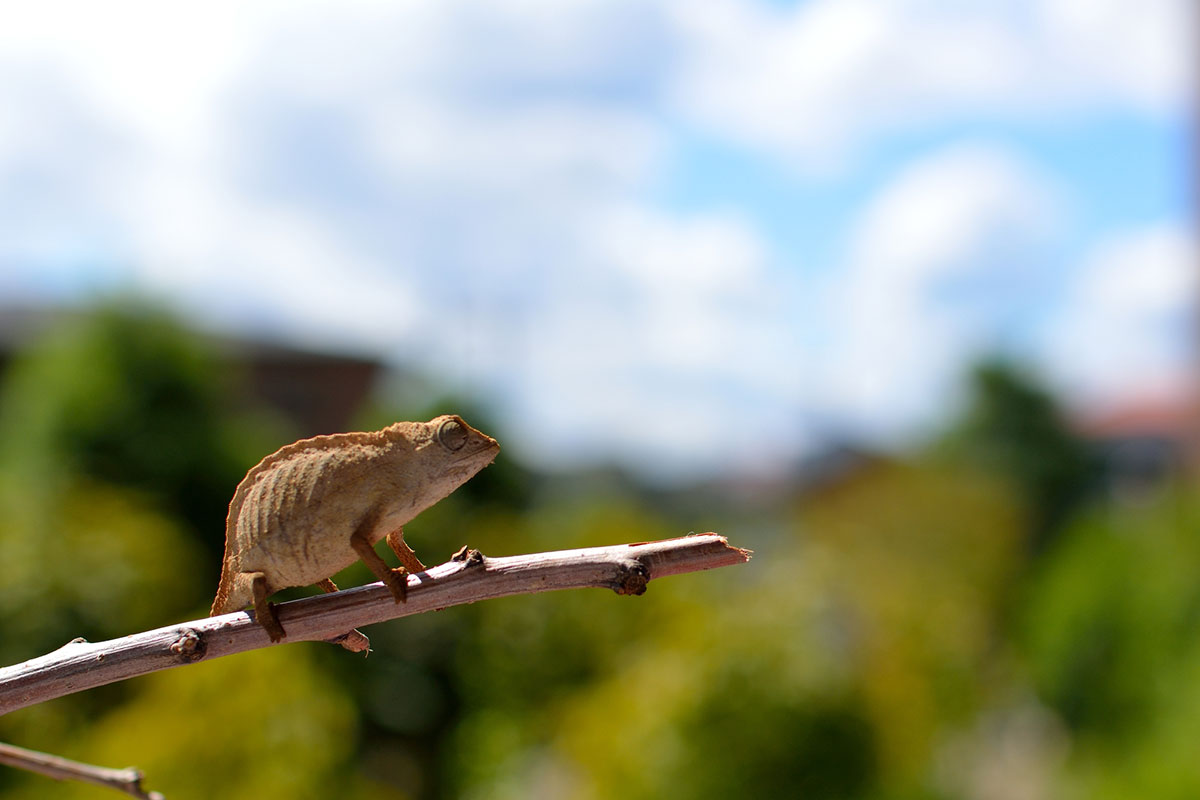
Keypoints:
pixel 264 612
pixel 355 641
pixel 394 579
pixel 407 557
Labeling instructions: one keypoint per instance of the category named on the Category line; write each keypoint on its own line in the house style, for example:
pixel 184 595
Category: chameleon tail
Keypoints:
pixel 234 592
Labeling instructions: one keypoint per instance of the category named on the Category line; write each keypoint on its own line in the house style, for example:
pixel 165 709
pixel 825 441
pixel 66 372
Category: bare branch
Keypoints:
pixel 468 578
pixel 127 780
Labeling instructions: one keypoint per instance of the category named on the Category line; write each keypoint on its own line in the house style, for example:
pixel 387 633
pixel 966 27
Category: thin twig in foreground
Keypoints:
pixel 469 578
pixel 127 780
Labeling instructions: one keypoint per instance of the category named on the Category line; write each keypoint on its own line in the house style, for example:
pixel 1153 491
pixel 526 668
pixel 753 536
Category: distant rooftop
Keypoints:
pixel 1147 440
pixel 1167 414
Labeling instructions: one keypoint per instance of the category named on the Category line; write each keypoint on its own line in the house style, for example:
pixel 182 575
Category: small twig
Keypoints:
pixel 128 780
pixel 469 578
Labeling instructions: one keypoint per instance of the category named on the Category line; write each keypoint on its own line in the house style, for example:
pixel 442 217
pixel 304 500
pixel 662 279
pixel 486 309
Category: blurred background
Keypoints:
pixel 899 294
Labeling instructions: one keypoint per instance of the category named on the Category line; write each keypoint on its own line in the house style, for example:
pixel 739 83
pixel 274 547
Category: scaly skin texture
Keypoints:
pixel 316 506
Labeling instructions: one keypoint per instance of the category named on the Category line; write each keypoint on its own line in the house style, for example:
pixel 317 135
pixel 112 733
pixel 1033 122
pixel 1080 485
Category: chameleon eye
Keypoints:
pixel 452 434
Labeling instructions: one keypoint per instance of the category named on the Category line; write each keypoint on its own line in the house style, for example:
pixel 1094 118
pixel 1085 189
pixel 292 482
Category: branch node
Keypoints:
pixel 469 556
pixel 190 646
pixel 632 577
pixel 72 643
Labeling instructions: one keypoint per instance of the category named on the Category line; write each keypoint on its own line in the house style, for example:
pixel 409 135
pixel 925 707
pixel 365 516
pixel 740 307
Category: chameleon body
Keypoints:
pixel 318 505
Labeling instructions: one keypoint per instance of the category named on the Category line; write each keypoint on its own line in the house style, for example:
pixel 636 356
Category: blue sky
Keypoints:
pixel 693 238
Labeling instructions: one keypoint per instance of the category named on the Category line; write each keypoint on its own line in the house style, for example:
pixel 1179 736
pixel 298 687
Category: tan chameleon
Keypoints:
pixel 316 506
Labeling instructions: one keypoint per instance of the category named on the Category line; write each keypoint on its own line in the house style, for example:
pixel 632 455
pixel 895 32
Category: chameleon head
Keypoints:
pixel 448 450
pixel 456 451
pixel 462 443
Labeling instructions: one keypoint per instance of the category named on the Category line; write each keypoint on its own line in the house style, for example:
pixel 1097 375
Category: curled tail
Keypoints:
pixel 234 592
pixel 224 589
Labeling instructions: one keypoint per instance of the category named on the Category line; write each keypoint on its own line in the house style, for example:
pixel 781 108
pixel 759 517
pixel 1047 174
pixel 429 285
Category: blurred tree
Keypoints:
pixel 119 448
pixel 127 397
pixel 1117 603
pixel 1111 634
pixel 742 697
pixel 430 676
pixel 263 724
pixel 919 559
pixel 1013 427
pixel 95 562
pixel 839 667
pixel 120 444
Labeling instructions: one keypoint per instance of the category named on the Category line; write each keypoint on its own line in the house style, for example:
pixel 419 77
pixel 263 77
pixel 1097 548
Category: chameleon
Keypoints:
pixel 316 506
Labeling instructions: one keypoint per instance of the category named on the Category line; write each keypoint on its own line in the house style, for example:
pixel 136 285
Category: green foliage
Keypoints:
pixel 126 397
pixel 1112 626
pixel 97 562
pixel 1014 428
pixel 118 451
pixel 871 649
pixel 713 685
pixel 263 724
pixel 1111 635
pixel 916 562
pixel 748 741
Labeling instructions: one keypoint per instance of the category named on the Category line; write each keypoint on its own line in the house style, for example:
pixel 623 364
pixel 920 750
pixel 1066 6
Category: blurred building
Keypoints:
pixel 1144 442
pixel 318 392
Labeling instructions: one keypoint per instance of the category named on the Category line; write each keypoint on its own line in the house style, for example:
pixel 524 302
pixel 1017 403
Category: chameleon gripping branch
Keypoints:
pixel 467 578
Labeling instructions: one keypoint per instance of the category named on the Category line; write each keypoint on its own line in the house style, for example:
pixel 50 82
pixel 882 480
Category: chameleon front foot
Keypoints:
pixel 395 579
pixel 407 557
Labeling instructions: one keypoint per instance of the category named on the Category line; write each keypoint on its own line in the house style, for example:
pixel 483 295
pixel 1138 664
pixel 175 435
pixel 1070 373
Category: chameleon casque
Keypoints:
pixel 316 506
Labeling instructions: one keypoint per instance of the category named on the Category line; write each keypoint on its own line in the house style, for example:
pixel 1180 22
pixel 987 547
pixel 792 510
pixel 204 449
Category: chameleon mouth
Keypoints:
pixel 491 449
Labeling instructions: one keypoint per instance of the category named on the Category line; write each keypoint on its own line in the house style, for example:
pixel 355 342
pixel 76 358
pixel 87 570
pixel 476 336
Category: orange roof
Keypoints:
pixel 1172 416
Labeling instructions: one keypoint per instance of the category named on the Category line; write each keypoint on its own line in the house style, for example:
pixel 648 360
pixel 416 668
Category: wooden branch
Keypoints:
pixel 127 780
pixel 467 578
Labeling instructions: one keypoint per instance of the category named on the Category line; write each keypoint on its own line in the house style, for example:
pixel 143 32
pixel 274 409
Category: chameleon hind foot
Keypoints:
pixel 353 640
pixel 397 583
pixel 264 611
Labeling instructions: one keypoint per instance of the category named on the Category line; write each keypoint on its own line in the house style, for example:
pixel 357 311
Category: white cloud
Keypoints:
pixel 930 221
pixel 666 342
pixel 272 271
pixel 472 188
pixel 940 270
pixel 814 81
pixel 1130 319
pixel 1141 52
pixel 455 189
pixel 151 69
